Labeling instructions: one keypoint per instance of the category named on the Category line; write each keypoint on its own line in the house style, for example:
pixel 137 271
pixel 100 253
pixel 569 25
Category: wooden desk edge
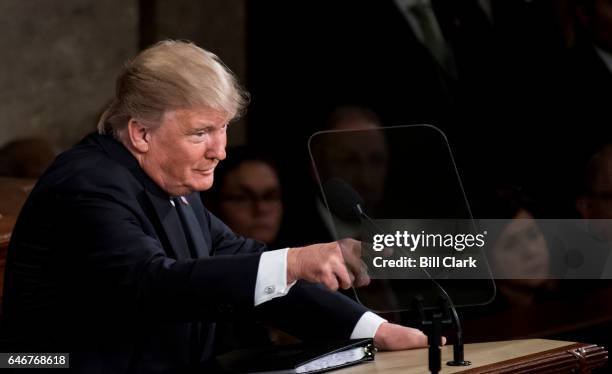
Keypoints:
pixel 580 356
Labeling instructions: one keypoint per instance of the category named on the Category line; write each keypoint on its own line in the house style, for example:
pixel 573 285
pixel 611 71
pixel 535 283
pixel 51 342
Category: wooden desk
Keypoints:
pixel 513 356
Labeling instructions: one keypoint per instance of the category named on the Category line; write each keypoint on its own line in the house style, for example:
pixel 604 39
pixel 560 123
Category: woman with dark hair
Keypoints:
pixel 519 258
pixel 247 194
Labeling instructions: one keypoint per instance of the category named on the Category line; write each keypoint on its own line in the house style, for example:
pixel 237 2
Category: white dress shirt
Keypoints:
pixel 272 283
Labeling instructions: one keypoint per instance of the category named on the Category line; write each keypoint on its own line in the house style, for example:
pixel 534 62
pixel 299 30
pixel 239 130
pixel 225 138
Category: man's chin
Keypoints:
pixel 203 184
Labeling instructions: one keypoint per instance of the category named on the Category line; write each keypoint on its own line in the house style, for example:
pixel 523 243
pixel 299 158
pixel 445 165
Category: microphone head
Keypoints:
pixel 342 199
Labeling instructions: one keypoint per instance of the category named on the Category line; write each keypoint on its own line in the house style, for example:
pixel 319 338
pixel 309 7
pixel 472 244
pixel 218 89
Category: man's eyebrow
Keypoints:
pixel 200 127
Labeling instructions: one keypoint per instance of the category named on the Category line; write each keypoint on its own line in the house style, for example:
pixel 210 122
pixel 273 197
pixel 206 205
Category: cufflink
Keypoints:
pixel 268 290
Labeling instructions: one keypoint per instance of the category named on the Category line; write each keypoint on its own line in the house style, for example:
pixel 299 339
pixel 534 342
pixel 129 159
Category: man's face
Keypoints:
pixel 358 157
pixel 185 149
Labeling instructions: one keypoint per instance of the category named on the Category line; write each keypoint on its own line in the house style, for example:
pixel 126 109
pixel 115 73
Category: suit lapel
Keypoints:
pixel 166 213
pixel 171 224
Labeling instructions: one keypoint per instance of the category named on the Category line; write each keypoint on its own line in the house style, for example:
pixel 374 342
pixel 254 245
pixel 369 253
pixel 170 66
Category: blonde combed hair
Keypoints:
pixel 172 75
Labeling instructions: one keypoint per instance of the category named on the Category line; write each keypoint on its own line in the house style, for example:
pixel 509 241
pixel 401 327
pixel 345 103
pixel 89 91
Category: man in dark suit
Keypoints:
pixel 115 260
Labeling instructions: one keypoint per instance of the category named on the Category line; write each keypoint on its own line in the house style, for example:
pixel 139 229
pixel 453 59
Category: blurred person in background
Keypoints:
pixel 585 84
pixel 594 202
pixel 519 257
pixel 596 195
pixel 349 147
pixel 247 194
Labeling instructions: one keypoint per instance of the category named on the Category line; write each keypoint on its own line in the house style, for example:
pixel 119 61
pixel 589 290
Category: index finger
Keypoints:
pixel 351 253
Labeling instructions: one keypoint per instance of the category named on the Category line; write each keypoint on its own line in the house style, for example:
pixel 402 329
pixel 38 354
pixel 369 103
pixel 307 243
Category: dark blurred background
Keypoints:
pixel 521 88
pixel 516 85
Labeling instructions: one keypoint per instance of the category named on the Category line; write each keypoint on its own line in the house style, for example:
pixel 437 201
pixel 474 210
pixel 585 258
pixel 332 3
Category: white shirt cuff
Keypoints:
pixel 367 326
pixel 272 276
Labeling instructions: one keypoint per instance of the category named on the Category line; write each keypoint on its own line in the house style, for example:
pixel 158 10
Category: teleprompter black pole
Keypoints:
pixel 435 343
pixel 445 314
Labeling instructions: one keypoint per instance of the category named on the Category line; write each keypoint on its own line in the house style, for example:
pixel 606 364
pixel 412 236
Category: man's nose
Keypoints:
pixel 216 148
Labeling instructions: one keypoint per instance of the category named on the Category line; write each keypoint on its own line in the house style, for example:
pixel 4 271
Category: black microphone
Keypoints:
pixel 346 203
pixel 343 200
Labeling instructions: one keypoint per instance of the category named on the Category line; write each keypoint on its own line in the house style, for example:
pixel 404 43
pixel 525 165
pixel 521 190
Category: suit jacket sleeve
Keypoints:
pixel 311 312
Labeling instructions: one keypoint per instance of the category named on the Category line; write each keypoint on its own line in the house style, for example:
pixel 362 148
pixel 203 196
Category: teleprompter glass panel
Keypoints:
pixel 393 188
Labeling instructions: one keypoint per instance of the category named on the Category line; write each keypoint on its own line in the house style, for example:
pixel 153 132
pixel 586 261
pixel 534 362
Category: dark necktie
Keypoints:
pixel 191 226
pixel 197 246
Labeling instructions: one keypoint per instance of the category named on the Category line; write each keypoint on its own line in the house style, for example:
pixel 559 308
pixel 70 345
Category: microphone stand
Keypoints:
pixel 458 353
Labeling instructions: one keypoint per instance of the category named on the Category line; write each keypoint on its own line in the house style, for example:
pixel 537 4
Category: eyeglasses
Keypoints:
pixel 248 197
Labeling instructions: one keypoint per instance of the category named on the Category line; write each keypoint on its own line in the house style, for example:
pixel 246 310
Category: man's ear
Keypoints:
pixel 138 135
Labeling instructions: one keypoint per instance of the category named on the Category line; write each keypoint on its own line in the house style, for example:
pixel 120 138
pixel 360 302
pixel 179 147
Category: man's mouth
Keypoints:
pixel 205 171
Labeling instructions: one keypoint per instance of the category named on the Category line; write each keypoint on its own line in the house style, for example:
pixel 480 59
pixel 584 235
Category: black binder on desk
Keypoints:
pixel 298 358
